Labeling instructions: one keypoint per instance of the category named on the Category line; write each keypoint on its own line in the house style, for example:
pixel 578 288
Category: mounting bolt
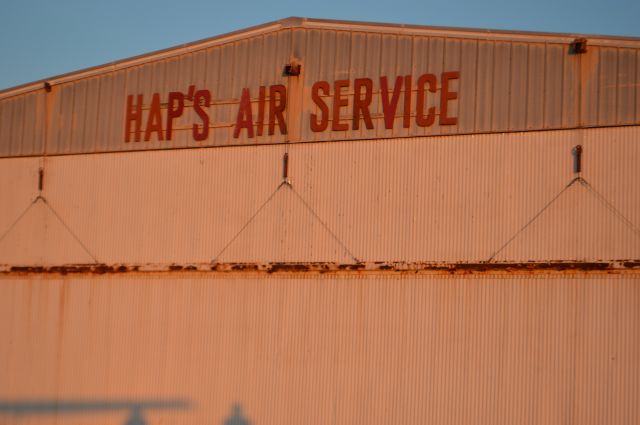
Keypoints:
pixel 285 167
pixel 40 179
pixel 292 70
pixel 577 158
pixel 578 46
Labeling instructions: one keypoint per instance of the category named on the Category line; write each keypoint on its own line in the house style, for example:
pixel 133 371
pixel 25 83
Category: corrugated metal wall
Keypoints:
pixel 526 350
pixel 504 85
pixel 449 199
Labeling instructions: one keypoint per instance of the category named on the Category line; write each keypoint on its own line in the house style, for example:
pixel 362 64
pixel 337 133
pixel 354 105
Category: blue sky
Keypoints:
pixel 44 38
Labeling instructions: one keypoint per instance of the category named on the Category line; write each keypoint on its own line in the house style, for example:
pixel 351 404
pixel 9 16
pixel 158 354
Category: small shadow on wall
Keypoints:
pixel 134 409
pixel 237 417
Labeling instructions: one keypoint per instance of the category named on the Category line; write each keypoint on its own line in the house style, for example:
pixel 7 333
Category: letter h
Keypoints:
pixel 133 115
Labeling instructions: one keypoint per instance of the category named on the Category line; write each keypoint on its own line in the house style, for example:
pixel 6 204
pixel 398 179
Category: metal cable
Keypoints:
pixel 333 235
pixel 68 228
pixel 43 199
pixel 306 205
pixel 264 204
pixel 610 206
pixel 534 217
pixel 18 219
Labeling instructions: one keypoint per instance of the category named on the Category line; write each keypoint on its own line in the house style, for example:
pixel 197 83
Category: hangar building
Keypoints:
pixel 326 222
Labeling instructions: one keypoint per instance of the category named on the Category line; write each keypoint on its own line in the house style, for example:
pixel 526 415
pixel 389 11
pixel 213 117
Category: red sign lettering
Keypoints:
pixel 204 97
pixel 245 116
pixel 135 116
pixel 360 105
pixel 322 124
pixel 272 104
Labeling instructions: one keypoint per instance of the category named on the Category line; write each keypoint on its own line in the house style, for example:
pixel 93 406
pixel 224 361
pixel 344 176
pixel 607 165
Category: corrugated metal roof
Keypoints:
pixel 503 83
pixel 300 22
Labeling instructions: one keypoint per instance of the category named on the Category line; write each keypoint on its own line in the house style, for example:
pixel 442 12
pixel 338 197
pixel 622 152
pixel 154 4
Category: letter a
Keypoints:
pixel 245 117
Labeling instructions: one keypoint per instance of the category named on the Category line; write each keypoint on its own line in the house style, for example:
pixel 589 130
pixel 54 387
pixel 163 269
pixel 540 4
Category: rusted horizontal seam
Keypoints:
pixel 480 268
pixel 290 142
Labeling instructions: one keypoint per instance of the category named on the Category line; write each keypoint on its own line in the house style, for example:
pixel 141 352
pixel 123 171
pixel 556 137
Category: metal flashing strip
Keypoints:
pixel 317 141
pixel 471 33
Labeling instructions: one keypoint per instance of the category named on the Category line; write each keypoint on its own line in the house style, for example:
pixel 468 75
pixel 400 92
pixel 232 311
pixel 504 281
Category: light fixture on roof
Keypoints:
pixel 578 46
pixel 292 70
